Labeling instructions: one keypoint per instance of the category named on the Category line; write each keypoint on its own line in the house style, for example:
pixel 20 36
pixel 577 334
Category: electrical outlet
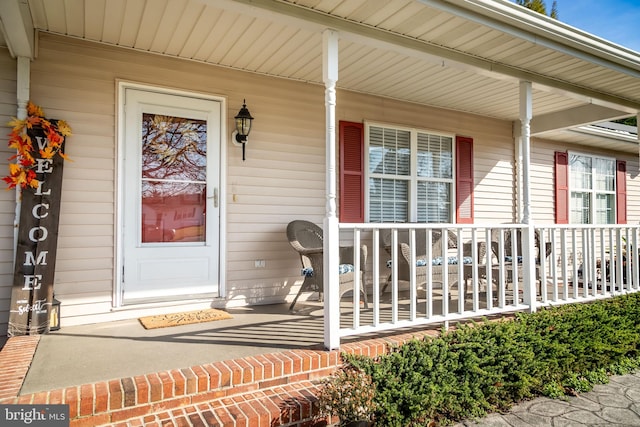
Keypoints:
pixel 260 263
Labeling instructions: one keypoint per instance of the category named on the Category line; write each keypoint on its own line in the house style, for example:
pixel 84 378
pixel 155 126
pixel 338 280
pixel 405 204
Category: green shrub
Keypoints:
pixel 483 367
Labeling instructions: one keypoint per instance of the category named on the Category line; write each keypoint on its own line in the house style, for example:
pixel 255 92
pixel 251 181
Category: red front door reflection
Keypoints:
pixel 173 179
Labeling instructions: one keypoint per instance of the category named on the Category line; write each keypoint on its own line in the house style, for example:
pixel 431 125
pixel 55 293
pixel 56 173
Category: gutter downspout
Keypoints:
pixel 23 89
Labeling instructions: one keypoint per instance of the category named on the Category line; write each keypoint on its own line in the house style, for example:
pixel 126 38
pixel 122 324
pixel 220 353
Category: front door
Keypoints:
pixel 170 220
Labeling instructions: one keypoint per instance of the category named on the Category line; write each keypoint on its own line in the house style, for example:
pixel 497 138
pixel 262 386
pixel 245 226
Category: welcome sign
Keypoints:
pixel 32 291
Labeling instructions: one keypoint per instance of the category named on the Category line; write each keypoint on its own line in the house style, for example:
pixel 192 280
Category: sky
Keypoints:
pixel 615 20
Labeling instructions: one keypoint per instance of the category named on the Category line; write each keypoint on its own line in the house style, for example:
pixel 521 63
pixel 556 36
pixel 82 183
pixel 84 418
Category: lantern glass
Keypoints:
pixel 243 126
pixel 243 122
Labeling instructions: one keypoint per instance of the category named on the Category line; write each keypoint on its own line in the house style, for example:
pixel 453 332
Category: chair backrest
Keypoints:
pixel 421 240
pixel 508 245
pixel 508 242
pixel 304 235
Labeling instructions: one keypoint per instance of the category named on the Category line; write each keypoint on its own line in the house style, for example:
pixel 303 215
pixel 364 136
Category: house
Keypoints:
pixel 424 112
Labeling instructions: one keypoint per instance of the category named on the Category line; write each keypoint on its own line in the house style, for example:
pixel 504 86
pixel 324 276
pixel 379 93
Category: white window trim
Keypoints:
pixel 593 191
pixel 413 176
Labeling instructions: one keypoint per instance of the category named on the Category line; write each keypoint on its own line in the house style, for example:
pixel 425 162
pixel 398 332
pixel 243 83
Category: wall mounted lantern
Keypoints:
pixel 243 126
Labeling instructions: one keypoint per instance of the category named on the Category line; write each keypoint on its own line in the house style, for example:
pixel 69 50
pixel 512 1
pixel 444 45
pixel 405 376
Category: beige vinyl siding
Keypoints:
pixel 542 181
pixel 283 177
pixel 494 194
pixel 8 109
pixel 79 92
pixel 633 189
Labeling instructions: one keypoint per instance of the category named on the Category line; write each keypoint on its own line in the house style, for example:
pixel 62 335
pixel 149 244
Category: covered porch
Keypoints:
pixel 581 264
pixel 509 80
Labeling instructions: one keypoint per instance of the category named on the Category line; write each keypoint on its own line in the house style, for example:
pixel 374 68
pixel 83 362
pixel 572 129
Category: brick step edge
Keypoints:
pixel 151 393
pixel 289 405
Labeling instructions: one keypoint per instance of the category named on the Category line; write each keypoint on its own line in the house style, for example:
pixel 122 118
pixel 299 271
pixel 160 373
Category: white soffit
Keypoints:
pixel 444 53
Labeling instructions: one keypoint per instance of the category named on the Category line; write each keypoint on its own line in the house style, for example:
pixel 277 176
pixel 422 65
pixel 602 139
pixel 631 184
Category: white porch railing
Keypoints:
pixel 453 272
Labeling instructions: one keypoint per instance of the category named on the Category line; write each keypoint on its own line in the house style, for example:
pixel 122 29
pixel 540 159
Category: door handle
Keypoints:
pixel 215 197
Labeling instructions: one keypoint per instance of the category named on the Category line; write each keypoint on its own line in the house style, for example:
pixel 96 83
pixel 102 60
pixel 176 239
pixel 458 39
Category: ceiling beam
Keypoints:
pixel 573 117
pixel 17 28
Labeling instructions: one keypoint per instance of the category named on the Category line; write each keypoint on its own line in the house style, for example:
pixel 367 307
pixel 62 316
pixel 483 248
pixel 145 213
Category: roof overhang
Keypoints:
pixel 17 29
pixel 463 55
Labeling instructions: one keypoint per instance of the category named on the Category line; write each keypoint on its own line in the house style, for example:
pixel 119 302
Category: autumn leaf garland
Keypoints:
pixel 22 173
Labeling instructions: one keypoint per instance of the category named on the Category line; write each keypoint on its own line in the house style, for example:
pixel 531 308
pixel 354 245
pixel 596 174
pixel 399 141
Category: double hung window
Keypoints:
pixel 396 174
pixel 410 175
pixel 592 186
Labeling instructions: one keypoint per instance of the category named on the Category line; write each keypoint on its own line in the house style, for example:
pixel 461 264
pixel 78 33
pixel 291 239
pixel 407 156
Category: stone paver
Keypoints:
pixel 615 404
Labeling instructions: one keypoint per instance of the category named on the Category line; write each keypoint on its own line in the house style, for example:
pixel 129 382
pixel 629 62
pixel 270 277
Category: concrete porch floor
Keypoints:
pixel 97 352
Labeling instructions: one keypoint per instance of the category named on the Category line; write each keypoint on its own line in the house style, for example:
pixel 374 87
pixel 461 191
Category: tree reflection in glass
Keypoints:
pixel 174 151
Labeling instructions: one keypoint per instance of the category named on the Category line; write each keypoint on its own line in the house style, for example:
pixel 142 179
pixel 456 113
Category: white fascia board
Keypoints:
pixel 17 28
pixel 542 30
pixel 610 130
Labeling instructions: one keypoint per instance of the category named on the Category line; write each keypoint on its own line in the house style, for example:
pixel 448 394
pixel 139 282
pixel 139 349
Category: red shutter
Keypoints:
pixel 351 172
pixel 464 180
pixel 562 187
pixel 621 192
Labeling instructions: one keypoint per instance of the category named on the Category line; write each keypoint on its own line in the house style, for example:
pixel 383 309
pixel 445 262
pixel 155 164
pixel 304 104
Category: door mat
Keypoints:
pixel 184 318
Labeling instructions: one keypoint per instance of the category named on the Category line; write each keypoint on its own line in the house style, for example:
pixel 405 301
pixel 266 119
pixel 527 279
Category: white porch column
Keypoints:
pixel 23 85
pixel 331 231
pixel 528 240
pixel 23 92
pixel 526 113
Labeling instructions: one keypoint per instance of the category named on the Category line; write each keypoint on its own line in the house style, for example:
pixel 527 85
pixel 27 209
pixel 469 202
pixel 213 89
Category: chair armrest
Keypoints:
pixel 312 251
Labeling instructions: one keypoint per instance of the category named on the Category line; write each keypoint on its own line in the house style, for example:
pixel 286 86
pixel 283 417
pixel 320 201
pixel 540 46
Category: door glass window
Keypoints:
pixel 174 151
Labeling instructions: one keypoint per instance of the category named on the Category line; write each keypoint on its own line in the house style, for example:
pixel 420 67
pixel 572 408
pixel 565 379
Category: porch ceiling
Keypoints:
pixel 464 55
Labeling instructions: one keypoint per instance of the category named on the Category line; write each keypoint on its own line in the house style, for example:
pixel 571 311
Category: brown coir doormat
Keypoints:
pixel 184 318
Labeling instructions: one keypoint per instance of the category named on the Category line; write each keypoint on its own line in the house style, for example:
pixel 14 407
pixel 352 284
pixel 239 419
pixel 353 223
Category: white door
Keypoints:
pixel 170 220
